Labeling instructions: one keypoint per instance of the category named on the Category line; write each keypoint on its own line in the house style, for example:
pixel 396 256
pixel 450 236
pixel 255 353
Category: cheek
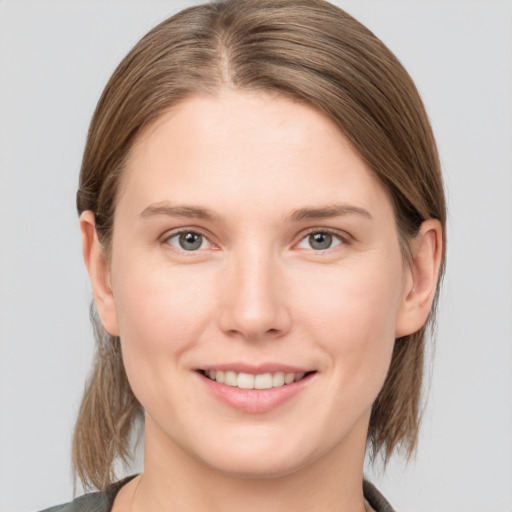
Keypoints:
pixel 353 314
pixel 161 313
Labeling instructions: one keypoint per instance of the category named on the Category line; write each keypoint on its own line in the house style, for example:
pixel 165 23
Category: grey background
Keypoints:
pixel 55 57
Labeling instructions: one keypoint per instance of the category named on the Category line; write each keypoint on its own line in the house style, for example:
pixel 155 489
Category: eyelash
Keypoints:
pixel 179 233
pixel 343 239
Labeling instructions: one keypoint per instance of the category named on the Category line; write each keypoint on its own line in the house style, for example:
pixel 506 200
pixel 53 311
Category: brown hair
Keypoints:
pixel 308 50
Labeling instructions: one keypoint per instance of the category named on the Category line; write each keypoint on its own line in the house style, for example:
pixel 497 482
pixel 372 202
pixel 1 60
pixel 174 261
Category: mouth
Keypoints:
pixel 244 380
pixel 256 390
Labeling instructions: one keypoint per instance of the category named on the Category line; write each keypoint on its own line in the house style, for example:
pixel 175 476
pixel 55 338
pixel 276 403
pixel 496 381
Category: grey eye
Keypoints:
pixel 190 241
pixel 320 241
pixel 187 240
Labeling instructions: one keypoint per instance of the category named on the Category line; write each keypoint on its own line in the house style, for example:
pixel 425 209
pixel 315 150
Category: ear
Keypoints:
pixel 99 273
pixel 421 279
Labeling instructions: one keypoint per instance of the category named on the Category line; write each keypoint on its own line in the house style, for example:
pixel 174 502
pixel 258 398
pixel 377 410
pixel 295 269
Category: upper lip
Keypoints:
pixel 256 369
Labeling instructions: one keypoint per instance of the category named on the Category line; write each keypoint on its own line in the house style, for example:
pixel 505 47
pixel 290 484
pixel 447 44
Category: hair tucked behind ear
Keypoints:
pixel 307 50
pixel 106 416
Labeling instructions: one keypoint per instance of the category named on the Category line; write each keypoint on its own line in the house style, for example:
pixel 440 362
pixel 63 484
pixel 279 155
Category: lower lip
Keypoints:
pixel 255 400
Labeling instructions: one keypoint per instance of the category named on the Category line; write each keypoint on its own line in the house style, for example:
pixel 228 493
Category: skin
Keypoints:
pixel 270 172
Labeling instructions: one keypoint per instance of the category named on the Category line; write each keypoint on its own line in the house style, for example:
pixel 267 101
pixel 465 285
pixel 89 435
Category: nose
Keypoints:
pixel 254 302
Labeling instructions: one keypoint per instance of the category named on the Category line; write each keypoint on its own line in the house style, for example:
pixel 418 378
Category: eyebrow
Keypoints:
pixel 298 215
pixel 170 210
pixel 329 211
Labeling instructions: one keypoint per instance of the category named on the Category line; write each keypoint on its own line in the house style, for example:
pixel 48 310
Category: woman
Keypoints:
pixel 262 217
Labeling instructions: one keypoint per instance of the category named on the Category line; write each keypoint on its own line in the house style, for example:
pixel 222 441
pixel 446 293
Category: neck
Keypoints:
pixel 173 480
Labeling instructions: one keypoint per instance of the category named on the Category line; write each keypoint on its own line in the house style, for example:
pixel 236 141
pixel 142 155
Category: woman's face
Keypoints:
pixel 252 248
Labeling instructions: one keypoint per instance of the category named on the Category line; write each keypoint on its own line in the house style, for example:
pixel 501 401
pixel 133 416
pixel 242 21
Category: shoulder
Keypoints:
pixel 375 498
pixel 94 502
pixel 100 501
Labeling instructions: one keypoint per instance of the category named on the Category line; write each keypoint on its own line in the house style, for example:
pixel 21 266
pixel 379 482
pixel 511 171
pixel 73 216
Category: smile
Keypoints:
pixel 256 390
pixel 244 380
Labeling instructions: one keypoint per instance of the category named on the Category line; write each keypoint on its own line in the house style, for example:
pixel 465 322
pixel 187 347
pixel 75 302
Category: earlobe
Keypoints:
pixel 99 273
pixel 421 283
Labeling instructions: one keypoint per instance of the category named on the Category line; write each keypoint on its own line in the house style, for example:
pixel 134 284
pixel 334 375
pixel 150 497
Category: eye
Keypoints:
pixel 320 241
pixel 188 241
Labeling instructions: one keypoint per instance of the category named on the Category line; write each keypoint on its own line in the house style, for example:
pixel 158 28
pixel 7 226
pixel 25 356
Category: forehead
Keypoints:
pixel 245 119
pixel 241 145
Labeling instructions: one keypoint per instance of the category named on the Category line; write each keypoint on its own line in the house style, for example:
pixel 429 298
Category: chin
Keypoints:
pixel 261 467
pixel 260 453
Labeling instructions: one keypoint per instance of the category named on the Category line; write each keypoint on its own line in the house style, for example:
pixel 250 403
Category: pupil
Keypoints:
pixel 320 241
pixel 190 241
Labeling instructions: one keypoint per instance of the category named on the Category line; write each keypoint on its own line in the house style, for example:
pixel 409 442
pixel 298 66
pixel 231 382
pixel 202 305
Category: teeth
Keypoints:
pixel 278 379
pixel 263 381
pixel 245 381
pixel 289 378
pixel 249 381
pixel 231 379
